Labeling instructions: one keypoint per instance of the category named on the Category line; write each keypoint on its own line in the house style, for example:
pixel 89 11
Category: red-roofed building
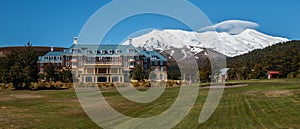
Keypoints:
pixel 273 74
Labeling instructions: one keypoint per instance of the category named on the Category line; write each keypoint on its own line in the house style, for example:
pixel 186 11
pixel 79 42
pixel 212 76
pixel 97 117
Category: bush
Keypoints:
pixel 2 86
pixel 291 75
pixel 49 85
pixel 298 76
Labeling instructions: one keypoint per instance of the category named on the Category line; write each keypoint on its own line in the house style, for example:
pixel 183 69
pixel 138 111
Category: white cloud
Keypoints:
pixel 231 26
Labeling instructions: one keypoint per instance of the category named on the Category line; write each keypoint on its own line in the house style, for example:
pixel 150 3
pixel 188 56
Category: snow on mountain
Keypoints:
pixel 224 42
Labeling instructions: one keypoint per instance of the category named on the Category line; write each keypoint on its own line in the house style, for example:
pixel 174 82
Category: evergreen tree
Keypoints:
pixel 21 67
pixel 138 73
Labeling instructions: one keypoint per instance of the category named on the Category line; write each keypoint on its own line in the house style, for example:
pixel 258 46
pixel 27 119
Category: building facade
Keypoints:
pixel 105 63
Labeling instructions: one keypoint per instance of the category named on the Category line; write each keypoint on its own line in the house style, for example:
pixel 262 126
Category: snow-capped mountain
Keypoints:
pixel 223 42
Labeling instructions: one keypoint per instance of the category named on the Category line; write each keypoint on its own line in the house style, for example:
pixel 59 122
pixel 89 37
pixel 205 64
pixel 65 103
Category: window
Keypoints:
pixel 74 50
pixel 115 79
pixel 79 73
pixel 67 58
pixel 110 51
pixel 80 64
pixel 155 63
pixel 89 79
pixel 46 58
pixel 95 51
pixel 67 64
pixel 137 58
pixel 101 79
pixel 89 58
pixel 90 71
pixel 118 51
pixel 145 66
pixel 94 58
pixel 145 59
pixel 102 70
pixel 161 63
pixel 79 57
pixel 114 70
pixel 131 50
pixel 125 64
pixel 74 64
pixel 102 51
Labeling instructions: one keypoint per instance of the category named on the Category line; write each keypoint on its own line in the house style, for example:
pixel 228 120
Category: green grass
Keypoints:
pixel 262 104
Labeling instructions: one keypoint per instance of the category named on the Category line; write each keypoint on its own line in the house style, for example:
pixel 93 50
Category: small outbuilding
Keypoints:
pixel 273 74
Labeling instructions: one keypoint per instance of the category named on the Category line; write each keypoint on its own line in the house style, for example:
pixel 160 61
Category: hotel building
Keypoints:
pixel 105 63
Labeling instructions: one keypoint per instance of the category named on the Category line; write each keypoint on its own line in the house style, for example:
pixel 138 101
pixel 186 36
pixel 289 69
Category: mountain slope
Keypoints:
pixel 223 42
pixel 282 57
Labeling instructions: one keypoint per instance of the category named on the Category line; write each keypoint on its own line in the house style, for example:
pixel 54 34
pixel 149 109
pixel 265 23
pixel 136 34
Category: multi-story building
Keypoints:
pixel 106 63
pixel 52 57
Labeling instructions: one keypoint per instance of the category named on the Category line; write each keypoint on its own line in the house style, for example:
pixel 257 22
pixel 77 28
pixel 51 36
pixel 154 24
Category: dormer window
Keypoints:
pixel 118 51
pixel 74 50
pixel 102 51
pixel 95 51
pixel 131 50
pixel 110 51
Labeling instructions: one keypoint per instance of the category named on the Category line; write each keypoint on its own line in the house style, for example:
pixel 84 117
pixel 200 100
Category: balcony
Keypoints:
pixel 74 60
pixel 102 63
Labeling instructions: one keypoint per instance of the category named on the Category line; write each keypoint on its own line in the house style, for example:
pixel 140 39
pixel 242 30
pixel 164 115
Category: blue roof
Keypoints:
pixel 160 57
pixel 104 50
pixel 53 54
pixel 224 71
pixel 153 55
pixel 91 49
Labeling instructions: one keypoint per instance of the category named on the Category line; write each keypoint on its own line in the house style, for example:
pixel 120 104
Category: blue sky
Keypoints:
pixel 56 22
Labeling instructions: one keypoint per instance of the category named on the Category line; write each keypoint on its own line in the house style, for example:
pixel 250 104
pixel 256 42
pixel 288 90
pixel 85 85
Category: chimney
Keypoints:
pixel 75 40
pixel 51 48
pixel 130 41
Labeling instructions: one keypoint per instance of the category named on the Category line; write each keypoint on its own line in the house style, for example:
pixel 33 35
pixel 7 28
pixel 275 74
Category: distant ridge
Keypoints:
pixel 41 50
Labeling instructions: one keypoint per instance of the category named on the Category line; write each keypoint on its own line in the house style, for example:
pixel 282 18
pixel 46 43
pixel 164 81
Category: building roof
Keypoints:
pixel 53 54
pixel 100 50
pixel 224 71
pixel 153 55
pixel 273 72
pixel 104 50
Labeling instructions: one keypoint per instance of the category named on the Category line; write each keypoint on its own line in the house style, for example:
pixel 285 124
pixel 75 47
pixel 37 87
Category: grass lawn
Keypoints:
pixel 261 104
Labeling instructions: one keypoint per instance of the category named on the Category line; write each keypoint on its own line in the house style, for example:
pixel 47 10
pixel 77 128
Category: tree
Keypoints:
pixel 66 75
pixel 21 67
pixel 52 73
pixel 138 73
pixel 205 72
